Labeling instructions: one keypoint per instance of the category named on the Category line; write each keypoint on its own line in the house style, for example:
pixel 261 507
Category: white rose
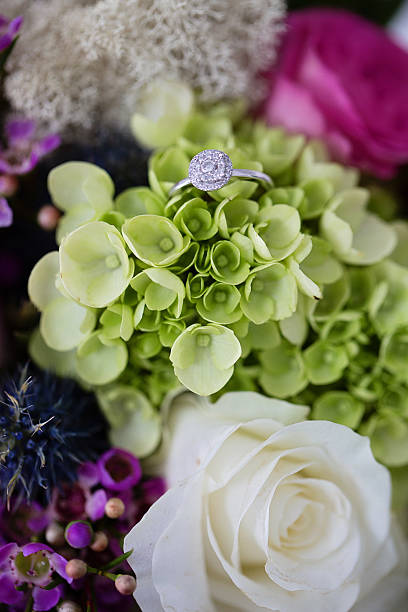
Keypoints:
pixel 265 511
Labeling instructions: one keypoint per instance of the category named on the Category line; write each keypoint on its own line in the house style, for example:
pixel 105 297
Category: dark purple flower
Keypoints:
pixel 24 149
pixel 79 534
pixel 32 564
pixel 8 30
pixel 68 502
pixel 6 214
pixel 119 470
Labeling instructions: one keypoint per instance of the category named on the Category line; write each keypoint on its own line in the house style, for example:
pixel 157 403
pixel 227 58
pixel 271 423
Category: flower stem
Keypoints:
pixel 29 605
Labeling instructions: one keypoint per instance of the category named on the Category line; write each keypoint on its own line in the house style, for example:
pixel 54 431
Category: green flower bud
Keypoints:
pixel 196 286
pixel 194 219
pixel 394 354
pixel 283 371
pixel 154 239
pixel 388 434
pixel 187 259
pixel 161 289
pixel 325 362
pixel 84 191
pixel 99 361
pixel 95 268
pixel 339 407
pixel 135 425
pixel 232 215
pixel 203 357
pixel 220 304
pixel 139 201
pixel 270 293
pixel 145 345
pixel 164 110
pixel 117 322
pixel 278 233
pixel 226 264
pixel 169 331
pixel 203 260
pixel 357 236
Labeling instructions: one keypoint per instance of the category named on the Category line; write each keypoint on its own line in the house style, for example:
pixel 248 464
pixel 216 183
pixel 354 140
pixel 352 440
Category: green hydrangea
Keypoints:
pixel 296 289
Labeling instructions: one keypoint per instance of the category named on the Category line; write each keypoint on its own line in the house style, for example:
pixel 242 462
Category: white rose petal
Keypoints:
pixel 266 511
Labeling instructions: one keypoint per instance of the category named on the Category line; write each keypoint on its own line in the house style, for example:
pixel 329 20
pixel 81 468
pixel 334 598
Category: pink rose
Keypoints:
pixel 342 79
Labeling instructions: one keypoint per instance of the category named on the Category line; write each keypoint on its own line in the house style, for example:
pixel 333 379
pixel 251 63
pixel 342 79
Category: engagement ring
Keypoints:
pixel 211 169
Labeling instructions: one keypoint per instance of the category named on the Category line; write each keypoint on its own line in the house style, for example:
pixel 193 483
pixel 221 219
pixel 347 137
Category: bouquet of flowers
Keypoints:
pixel 204 309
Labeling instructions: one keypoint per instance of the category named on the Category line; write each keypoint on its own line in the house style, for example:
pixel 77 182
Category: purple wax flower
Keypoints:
pixel 6 214
pixel 68 502
pixel 119 470
pixel 95 504
pixel 32 564
pixel 24 149
pixel 8 30
pixel 79 534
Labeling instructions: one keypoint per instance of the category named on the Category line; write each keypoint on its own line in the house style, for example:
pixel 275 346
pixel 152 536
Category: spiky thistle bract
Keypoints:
pixel 48 426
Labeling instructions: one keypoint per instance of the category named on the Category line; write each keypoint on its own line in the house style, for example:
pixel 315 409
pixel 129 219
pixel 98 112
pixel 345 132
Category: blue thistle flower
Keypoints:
pixel 48 426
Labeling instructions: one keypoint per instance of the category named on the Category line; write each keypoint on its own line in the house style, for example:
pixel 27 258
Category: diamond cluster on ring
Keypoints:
pixel 209 170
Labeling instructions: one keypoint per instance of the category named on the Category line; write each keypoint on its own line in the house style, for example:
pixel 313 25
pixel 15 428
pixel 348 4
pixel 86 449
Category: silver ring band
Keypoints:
pixel 212 169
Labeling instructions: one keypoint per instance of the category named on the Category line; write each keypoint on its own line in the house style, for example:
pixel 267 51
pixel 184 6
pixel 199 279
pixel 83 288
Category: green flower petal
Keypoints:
pixel 160 289
pixel 389 438
pixel 325 362
pixel 60 362
pixel 195 220
pixel 339 407
pixel 226 264
pixel 139 201
pixel 75 184
pixel 154 239
pixel 117 322
pixel 164 110
pixel 64 323
pixel 99 363
pixel 394 354
pixel 220 304
pixel 283 371
pixel 95 268
pixel 270 293
pixel 203 357
pixel 400 253
pixel 41 284
pixel 135 425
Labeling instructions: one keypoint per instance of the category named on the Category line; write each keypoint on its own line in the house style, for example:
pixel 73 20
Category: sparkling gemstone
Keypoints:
pixel 209 170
